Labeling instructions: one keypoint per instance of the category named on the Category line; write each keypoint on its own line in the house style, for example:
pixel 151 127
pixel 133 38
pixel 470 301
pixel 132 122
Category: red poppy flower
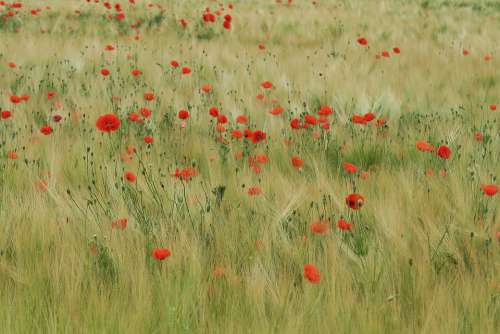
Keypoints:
pixel 323 120
pixel 146 112
pixel 261 159
pixel 183 114
pixel 46 130
pixel 222 119
pixel 120 16
pixel 358 119
pixel 489 189
pixel 297 162
pixel 319 227
pixel 258 136
pixel 105 72
pixel 109 47
pixel 208 17
pixel 310 119
pixel 396 50
pixel 174 63
pixel 349 168
pixel 355 201
pixel 237 134
pixel 368 117
pixel 108 123
pixel 311 273
pixel 444 152
pixel 266 85
pixel 478 136
pixel 57 118
pixel 248 134
pixel 50 95
pixel 362 41
pixel 149 96
pixel 183 23
pixel 261 47
pixel 385 54
pixel 325 111
pixel 186 70
pixel 465 52
pixel 148 139
pixel 130 177
pixel 6 114
pixel 134 117
pixel 256 169
pixel 242 119
pixel 226 25
pixel 161 253
pixel 276 111
pixel 213 111
pixel 206 88
pixel 15 99
pixel 493 107
pixel 120 224
pixel 380 122
pixel 295 124
pixel 136 72
pixel 424 146
pixel 12 155
pixel 185 173
pixel 343 225
pixel 254 191
pixel 220 128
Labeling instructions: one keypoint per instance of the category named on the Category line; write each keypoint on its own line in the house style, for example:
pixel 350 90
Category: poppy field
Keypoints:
pixel 257 166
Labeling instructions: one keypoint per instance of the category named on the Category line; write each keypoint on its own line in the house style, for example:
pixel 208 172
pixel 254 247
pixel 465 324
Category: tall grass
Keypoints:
pixel 423 255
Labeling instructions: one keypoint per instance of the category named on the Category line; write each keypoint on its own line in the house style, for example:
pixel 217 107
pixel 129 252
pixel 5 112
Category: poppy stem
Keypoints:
pixel 186 202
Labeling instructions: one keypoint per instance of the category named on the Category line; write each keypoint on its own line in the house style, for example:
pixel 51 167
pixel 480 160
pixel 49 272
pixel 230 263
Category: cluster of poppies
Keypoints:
pixel 211 17
pixel 443 151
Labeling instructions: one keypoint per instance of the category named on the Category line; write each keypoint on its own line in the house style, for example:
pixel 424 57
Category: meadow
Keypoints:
pixel 250 166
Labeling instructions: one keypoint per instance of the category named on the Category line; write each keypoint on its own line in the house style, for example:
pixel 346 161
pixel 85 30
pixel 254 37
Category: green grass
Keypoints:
pixel 423 255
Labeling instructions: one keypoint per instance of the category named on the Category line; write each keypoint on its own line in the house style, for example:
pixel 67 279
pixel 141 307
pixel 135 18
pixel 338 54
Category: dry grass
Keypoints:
pixel 423 256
